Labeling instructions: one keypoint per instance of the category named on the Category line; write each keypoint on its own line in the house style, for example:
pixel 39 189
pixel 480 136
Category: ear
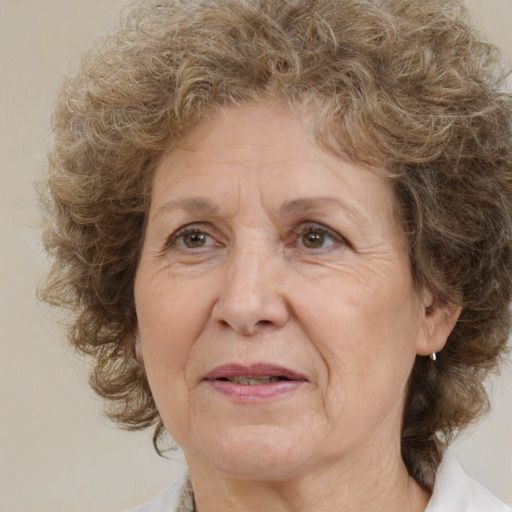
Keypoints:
pixel 438 320
pixel 138 348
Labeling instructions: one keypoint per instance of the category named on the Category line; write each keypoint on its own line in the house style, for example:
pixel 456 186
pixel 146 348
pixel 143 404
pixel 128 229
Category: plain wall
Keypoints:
pixel 57 453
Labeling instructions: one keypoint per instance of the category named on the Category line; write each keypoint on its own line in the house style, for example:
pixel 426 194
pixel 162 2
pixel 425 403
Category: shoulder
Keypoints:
pixel 456 492
pixel 176 497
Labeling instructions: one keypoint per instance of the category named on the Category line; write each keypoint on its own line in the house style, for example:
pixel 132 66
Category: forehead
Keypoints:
pixel 249 134
pixel 270 150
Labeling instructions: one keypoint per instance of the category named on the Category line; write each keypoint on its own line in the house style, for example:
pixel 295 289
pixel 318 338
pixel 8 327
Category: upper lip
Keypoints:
pixel 229 371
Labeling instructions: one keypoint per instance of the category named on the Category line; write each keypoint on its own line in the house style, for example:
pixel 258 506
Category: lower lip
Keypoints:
pixel 256 393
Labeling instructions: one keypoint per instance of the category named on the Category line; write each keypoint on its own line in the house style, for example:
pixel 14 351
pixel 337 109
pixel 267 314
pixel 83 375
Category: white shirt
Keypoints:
pixel 454 491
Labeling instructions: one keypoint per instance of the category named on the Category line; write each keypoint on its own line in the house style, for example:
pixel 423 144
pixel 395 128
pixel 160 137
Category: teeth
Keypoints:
pixel 252 381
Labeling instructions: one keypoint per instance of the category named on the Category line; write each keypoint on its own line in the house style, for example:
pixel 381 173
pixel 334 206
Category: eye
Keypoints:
pixel 194 239
pixel 190 237
pixel 314 240
pixel 315 236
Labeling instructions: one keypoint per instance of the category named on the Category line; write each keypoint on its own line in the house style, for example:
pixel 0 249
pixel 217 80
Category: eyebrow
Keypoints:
pixel 198 204
pixel 309 204
pixel 205 206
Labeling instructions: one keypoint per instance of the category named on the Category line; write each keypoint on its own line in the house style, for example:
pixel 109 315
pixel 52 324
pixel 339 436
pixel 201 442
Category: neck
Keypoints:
pixel 360 483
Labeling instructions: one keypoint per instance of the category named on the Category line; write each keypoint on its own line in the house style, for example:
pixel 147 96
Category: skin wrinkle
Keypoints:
pixel 189 205
pixel 406 88
pixel 238 310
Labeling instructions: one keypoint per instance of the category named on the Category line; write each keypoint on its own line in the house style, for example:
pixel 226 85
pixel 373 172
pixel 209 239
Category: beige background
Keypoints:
pixel 57 453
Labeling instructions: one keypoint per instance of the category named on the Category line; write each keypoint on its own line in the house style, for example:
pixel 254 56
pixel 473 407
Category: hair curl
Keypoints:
pixel 404 85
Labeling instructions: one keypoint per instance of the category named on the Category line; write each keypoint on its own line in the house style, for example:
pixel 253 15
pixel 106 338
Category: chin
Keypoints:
pixel 259 453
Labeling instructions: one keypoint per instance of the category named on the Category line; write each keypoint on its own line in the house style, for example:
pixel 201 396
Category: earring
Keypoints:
pixel 137 352
pixel 433 356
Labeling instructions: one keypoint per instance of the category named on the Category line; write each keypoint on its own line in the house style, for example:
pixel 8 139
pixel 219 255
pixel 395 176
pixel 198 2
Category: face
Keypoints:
pixel 276 311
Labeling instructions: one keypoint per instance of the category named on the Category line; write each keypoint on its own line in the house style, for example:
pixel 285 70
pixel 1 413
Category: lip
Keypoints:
pixel 229 371
pixel 256 393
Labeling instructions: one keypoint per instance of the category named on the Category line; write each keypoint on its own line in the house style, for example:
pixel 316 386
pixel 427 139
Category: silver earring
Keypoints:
pixel 433 356
pixel 137 356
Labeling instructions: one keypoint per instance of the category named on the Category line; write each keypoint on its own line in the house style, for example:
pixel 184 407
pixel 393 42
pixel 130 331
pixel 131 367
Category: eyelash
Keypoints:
pixel 297 232
pixel 313 227
pixel 182 232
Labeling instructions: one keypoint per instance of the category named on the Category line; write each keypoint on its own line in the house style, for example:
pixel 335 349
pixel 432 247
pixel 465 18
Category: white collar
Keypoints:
pixel 454 491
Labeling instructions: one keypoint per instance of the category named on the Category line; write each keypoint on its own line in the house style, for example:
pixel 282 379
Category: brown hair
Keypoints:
pixel 404 85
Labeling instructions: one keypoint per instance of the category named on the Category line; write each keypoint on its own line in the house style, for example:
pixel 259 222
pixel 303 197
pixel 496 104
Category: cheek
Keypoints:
pixel 171 315
pixel 166 331
pixel 363 336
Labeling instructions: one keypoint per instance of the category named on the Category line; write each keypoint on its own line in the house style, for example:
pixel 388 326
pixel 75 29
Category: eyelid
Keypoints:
pixel 295 233
pixel 193 227
pixel 306 226
pixel 314 226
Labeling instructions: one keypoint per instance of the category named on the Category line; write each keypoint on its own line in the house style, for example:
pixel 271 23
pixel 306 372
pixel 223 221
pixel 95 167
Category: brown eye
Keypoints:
pixel 191 238
pixel 311 236
pixel 194 240
pixel 313 240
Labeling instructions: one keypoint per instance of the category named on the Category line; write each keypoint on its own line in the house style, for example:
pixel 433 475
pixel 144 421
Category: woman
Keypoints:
pixel 284 229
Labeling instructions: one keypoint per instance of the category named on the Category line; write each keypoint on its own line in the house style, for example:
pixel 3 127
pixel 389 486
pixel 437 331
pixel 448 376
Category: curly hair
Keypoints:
pixel 401 85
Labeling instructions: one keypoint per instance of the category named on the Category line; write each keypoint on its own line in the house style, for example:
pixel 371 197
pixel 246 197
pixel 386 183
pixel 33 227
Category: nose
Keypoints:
pixel 250 299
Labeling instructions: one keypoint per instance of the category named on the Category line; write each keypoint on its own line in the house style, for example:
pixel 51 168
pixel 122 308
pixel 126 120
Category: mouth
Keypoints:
pixel 254 383
pixel 254 374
